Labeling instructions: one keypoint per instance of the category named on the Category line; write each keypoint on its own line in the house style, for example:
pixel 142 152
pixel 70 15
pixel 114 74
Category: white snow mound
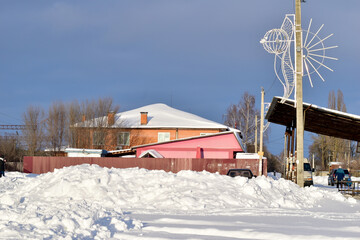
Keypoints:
pixel 88 201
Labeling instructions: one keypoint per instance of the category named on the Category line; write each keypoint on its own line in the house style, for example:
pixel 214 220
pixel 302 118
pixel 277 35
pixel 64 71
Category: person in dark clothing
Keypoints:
pixel 2 166
pixel 340 174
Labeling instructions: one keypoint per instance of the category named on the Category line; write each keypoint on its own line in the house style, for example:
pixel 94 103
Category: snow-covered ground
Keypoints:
pixel 89 202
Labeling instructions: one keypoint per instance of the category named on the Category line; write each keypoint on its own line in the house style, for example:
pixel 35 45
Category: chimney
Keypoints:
pixel 143 119
pixel 111 118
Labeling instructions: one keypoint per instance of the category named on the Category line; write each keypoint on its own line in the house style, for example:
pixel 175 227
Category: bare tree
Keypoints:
pixel 75 117
pixel 320 149
pixel 34 132
pixel 326 148
pixel 93 129
pixel 248 112
pixel 10 147
pixel 232 117
pixel 242 117
pixel 274 164
pixel 56 125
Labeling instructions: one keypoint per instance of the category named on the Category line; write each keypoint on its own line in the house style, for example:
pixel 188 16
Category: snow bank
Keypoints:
pixel 91 202
pixel 71 202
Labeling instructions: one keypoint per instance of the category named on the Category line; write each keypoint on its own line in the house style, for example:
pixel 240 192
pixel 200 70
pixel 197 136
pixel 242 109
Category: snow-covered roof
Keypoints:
pixel 318 120
pixel 162 116
pixel 151 152
pixel 81 152
pixel 328 110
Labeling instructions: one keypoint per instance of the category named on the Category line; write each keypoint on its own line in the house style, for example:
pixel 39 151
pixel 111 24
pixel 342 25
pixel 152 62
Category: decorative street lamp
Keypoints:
pixel 308 57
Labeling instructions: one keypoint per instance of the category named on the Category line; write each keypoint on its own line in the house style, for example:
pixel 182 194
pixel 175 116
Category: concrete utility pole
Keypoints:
pixel 261 153
pixel 299 95
pixel 256 134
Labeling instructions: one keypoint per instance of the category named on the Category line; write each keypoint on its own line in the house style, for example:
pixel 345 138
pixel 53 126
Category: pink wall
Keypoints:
pixel 217 146
pixel 39 165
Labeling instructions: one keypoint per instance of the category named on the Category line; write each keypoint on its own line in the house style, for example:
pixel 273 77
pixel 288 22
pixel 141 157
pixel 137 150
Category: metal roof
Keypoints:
pixel 317 119
pixel 160 116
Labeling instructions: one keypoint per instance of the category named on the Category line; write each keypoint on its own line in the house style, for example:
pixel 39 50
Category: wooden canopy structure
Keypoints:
pixel 317 119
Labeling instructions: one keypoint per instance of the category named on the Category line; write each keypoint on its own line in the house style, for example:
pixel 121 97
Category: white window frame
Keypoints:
pixel 120 139
pixel 163 136
pixel 98 138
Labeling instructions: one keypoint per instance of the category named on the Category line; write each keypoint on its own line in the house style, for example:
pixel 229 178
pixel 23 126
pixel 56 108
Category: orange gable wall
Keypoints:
pixel 146 136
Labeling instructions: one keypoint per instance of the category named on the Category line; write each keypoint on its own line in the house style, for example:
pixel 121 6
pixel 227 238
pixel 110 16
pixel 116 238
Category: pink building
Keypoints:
pixel 217 152
pixel 223 145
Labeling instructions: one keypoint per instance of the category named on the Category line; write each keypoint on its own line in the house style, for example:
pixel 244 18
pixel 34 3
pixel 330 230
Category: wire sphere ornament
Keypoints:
pixel 275 41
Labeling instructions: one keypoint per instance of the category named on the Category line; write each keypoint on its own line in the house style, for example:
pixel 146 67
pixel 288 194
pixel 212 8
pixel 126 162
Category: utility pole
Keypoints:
pixel 261 153
pixel 349 155
pixel 313 161
pixel 256 134
pixel 299 95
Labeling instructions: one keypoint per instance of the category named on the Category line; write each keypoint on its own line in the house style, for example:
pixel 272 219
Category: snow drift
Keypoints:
pixel 88 201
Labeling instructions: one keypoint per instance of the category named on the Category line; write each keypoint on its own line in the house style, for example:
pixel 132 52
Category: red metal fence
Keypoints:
pixel 40 165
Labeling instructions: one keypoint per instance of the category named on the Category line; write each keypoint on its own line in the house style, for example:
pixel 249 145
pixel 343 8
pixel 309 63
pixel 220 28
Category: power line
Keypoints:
pixel 5 114
pixel 275 78
pixel 13 127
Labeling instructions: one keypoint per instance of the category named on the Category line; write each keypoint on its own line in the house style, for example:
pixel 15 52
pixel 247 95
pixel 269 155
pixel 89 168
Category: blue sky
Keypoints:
pixel 195 55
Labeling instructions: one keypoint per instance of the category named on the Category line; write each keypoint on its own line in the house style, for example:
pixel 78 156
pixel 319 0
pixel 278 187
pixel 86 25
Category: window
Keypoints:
pixel 98 138
pixel 123 139
pixel 307 167
pixel 163 136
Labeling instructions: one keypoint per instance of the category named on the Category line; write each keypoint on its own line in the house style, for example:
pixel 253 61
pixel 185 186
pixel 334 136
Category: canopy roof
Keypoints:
pixel 317 119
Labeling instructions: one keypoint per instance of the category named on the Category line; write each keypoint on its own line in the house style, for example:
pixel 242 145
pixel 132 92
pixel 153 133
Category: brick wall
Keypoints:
pixel 139 136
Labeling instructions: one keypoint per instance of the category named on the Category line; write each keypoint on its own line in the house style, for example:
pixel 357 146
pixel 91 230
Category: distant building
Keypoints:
pixel 149 124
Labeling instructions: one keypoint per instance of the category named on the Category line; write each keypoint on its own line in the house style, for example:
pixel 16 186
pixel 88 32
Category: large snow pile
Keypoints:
pixel 89 201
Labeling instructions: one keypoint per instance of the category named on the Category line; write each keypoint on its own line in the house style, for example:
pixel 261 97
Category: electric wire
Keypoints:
pixel 272 84
pixel 9 116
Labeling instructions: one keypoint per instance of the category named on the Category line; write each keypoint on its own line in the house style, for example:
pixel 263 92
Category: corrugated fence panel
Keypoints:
pixel 198 164
pixel 183 164
pixel 28 164
pixel 44 165
pixel 227 164
pixel 264 168
pixel 40 165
